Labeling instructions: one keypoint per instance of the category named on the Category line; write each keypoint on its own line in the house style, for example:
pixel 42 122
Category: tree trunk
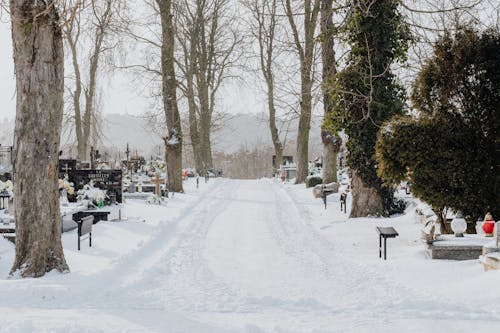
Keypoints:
pixel 278 147
pixel 366 201
pixel 173 141
pixel 173 157
pixel 190 69
pixel 331 142
pixel 195 138
pixel 266 32
pixel 85 123
pixel 305 50
pixel 77 93
pixel 39 67
pixel 205 144
pixel 303 131
pixel 330 151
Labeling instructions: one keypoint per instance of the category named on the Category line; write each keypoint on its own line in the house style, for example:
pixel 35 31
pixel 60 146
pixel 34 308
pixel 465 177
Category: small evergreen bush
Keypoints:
pixel 313 181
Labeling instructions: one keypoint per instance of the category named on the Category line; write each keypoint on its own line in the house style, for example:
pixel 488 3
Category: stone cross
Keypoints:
pixel 66 168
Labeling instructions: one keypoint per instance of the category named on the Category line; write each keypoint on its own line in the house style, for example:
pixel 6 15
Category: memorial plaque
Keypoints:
pixel 107 180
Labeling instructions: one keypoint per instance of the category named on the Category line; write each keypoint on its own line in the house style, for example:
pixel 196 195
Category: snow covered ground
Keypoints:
pixel 249 256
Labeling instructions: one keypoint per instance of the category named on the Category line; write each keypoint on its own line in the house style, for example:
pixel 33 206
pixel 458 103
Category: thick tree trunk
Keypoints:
pixel 173 157
pixel 173 141
pixel 331 142
pixel 331 146
pixel 195 138
pixel 205 118
pixel 205 144
pixel 366 201
pixel 39 67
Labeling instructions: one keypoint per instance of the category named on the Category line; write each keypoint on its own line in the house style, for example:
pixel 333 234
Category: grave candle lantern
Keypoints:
pixel 458 225
pixel 488 225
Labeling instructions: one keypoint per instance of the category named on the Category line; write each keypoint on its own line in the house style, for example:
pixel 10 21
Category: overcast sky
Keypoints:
pixel 119 95
pixel 7 81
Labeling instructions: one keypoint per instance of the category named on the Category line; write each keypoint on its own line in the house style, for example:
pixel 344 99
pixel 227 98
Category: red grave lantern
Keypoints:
pixel 488 224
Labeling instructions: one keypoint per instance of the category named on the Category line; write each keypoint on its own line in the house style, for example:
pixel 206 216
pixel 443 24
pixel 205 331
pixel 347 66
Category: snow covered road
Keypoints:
pixel 240 256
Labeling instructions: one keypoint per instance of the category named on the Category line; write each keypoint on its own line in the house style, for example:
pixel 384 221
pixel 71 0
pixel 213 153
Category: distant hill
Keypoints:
pixel 235 132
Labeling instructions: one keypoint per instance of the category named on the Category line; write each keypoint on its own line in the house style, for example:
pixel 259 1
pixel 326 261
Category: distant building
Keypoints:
pixel 286 160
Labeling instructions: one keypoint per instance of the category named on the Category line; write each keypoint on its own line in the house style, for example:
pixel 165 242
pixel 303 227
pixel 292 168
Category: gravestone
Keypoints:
pixel 66 165
pixel 107 180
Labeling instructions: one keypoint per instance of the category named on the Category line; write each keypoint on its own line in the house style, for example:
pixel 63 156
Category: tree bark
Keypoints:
pixel 266 26
pixel 305 50
pixel 77 93
pixel 366 201
pixel 173 140
pixel 190 60
pixel 39 67
pixel 303 131
pixel 278 147
pixel 331 142
pixel 84 124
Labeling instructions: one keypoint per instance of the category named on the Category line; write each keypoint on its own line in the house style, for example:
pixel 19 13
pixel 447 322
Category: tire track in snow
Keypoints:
pixel 183 280
pixel 383 298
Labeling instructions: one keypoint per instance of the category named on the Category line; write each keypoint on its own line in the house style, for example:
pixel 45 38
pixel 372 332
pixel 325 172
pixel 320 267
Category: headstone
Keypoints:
pixel 107 180
pixel 66 165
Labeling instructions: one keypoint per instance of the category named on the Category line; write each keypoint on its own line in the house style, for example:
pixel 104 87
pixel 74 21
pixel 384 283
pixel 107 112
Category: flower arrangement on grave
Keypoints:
pixel 154 199
pixel 155 166
pixel 64 184
pixel 8 187
pixel 95 195
pixel 65 188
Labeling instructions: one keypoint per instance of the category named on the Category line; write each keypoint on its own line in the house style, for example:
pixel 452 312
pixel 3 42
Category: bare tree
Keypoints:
pixel 265 20
pixel 173 140
pixel 304 46
pixel 99 15
pixel 209 39
pixel 39 68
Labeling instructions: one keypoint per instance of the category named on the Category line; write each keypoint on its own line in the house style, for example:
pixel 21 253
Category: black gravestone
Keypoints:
pixel 66 165
pixel 107 180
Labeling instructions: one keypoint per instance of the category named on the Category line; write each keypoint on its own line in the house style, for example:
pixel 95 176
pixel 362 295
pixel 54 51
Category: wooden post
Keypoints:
pixel 157 181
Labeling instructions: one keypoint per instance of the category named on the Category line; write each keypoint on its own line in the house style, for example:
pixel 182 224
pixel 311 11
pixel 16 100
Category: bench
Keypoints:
pixel 385 232
pixel 343 202
pixel 85 227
